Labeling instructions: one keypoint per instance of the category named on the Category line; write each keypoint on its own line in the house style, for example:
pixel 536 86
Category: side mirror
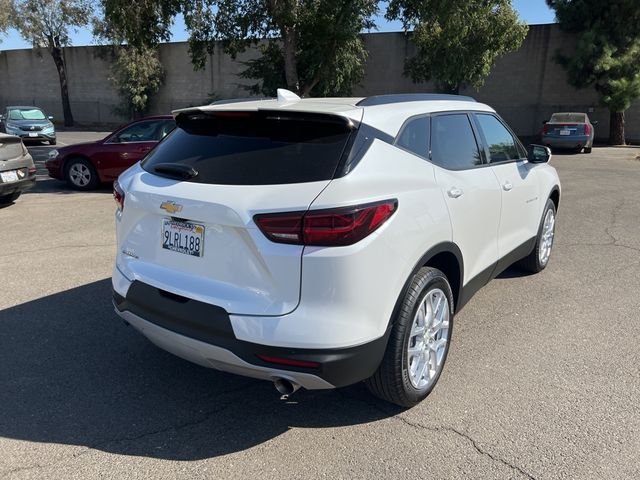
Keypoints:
pixel 594 122
pixel 538 154
pixel 1 118
pixel 50 118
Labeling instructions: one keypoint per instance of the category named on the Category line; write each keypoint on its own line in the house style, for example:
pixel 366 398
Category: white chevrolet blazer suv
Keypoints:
pixel 317 243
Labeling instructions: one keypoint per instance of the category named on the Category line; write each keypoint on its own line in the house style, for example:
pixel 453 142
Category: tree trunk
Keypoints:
pixel 56 53
pixel 616 128
pixel 289 44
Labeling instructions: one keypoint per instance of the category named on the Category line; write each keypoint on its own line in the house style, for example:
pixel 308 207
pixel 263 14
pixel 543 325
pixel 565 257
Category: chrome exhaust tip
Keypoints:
pixel 284 386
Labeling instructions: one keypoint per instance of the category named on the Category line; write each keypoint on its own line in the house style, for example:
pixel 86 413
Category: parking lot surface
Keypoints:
pixel 542 380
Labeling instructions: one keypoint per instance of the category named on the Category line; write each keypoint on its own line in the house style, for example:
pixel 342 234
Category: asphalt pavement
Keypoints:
pixel 542 380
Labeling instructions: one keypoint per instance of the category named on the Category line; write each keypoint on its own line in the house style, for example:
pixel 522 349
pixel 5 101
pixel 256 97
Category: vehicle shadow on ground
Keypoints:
pixel 514 271
pixel 50 185
pixel 73 373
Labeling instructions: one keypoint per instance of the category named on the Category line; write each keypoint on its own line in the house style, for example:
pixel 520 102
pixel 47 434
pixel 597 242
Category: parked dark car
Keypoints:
pixel 28 123
pixel 85 165
pixel 573 131
pixel 17 171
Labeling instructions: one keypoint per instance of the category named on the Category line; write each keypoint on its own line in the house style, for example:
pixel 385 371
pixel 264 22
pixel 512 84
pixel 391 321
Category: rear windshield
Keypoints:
pixel 10 148
pixel 568 118
pixel 255 148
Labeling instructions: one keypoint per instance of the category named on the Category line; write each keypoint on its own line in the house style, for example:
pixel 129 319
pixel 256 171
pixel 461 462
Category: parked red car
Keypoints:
pixel 85 165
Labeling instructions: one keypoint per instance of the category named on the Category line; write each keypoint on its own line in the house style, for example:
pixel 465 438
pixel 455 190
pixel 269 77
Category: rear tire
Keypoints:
pixel 52 142
pixel 419 341
pixel 538 259
pixel 81 174
pixel 7 199
pixel 587 149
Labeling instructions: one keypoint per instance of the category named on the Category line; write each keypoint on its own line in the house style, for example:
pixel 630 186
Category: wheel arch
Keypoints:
pixel 555 196
pixel 447 258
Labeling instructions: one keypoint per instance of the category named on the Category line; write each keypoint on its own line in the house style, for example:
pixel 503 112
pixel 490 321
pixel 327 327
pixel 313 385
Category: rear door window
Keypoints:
pixel 453 143
pixel 255 148
pixel 502 145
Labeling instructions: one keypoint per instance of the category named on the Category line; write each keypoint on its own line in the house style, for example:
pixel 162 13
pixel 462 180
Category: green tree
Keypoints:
pixel 46 24
pixel 607 54
pixel 137 75
pixel 457 41
pixel 5 10
pixel 135 68
pixel 313 47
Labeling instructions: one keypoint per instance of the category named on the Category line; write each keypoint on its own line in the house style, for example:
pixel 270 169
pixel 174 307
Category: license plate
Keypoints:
pixel 33 134
pixel 183 237
pixel 9 176
pixel 565 132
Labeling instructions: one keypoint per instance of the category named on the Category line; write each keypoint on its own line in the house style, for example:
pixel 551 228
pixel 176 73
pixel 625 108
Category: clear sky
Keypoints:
pixel 532 11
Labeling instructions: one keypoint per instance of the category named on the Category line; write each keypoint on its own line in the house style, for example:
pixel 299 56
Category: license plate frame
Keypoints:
pixel 565 132
pixel 33 134
pixel 182 236
pixel 9 176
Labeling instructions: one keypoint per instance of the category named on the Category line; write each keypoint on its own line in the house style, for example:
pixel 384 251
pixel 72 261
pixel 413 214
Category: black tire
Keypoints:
pixel 7 199
pixel 72 166
pixel 52 142
pixel 391 381
pixel 587 149
pixel 531 262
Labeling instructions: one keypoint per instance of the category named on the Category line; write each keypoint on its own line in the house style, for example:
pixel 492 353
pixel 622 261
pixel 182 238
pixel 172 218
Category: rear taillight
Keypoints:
pixel 587 129
pixel 32 171
pixel 118 195
pixel 334 227
pixel 545 129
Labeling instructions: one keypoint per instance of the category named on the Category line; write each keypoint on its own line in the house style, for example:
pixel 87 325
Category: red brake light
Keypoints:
pixel 545 128
pixel 118 195
pixel 587 129
pixel 335 227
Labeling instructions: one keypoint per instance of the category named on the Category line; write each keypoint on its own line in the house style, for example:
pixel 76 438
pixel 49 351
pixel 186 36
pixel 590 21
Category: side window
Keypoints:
pixel 414 136
pixel 138 132
pixel 453 143
pixel 165 129
pixel 502 146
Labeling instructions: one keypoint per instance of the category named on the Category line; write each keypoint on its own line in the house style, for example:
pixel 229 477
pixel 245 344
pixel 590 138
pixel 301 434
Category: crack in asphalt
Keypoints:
pixel 446 428
pixel 101 445
pixel 615 241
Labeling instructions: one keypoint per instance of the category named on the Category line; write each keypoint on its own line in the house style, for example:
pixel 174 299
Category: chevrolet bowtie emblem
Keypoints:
pixel 171 207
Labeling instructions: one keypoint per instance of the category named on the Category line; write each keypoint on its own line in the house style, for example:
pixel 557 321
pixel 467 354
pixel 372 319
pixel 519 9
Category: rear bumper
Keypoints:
pixel 203 334
pixel 575 141
pixel 19 186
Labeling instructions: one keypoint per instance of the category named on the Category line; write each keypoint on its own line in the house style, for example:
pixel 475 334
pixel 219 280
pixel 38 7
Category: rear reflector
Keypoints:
pixel 334 227
pixel 291 362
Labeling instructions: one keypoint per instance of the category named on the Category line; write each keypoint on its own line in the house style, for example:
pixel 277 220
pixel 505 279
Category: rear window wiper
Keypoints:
pixel 174 170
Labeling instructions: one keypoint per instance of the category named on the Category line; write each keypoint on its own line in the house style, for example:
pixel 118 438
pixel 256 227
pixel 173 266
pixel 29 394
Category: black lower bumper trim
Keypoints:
pixel 211 324
pixel 19 186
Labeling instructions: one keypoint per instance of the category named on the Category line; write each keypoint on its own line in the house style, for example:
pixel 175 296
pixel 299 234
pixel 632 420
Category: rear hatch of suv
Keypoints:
pixel 187 226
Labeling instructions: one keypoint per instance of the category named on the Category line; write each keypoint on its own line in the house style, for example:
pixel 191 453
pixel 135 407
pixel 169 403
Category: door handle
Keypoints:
pixel 455 192
pixel 507 186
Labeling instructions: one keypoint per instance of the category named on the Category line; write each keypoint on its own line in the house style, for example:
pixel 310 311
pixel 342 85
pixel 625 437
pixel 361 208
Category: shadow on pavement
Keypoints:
pixel 73 373
pixel 51 185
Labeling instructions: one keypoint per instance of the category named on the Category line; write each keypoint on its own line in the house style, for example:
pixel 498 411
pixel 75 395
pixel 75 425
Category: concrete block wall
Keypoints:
pixel 525 86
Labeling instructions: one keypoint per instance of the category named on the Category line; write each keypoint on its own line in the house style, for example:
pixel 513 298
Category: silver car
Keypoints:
pixel 569 130
pixel 17 170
